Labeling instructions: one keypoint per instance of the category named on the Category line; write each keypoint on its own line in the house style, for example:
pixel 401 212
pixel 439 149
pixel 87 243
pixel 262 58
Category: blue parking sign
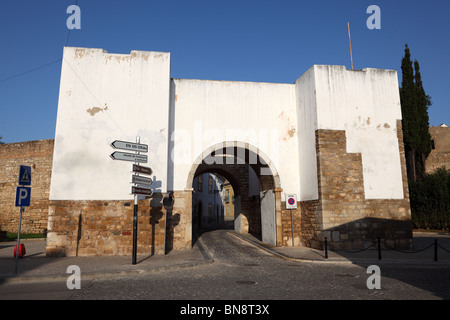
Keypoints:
pixel 23 196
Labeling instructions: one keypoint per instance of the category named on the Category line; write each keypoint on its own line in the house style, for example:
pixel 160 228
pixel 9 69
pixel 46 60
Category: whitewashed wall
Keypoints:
pixel 366 104
pixel 305 95
pixel 261 114
pixel 106 97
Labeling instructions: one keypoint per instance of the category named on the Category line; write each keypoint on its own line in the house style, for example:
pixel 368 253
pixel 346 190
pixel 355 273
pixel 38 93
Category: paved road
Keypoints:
pixel 241 271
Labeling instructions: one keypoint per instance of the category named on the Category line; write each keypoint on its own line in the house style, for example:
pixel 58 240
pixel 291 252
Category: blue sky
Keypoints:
pixel 245 40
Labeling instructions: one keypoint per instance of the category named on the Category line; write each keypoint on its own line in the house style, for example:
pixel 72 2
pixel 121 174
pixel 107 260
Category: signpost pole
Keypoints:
pixel 135 220
pixel 18 240
pixel 165 229
pixel 291 203
pixel 22 200
pixel 292 227
pixel 137 158
pixel 168 202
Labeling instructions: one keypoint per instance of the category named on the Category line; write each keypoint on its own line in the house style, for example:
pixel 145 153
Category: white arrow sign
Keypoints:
pixel 117 144
pixel 129 157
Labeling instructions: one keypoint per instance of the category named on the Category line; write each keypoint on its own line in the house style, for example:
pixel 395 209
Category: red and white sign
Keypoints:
pixel 291 201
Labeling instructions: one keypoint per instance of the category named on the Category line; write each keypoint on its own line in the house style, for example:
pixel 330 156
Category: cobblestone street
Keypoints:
pixel 242 271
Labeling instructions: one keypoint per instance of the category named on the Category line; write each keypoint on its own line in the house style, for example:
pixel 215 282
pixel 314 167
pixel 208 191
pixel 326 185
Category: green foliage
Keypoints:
pixel 430 201
pixel 407 94
pixel 415 120
pixel 10 236
pixel 429 193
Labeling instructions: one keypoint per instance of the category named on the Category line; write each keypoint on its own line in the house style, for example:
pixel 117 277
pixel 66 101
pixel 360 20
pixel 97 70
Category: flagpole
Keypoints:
pixel 350 42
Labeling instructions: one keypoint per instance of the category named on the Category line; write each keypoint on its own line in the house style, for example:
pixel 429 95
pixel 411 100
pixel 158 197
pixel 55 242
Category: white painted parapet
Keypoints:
pixel 106 97
pixel 366 104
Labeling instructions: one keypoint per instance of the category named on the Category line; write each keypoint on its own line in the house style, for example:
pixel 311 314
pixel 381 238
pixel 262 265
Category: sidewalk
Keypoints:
pixel 35 266
pixel 370 256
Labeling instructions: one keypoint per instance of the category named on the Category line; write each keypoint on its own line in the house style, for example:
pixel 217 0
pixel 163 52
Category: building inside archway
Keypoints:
pixel 208 201
pixel 226 196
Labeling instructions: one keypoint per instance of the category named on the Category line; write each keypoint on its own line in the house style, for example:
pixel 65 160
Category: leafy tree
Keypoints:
pixel 1 142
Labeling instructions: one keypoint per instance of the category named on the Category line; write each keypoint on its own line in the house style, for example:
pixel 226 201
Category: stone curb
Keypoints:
pixel 343 260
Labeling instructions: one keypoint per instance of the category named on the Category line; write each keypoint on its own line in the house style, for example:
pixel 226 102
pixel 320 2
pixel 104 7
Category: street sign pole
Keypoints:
pixel 135 219
pixel 18 240
pixel 137 158
pixel 23 194
pixel 292 227
pixel 291 203
pixel 168 205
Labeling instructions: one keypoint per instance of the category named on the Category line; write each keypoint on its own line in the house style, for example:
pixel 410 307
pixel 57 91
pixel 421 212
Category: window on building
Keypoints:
pixel 433 145
pixel 210 184
pixel 200 183
pixel 210 210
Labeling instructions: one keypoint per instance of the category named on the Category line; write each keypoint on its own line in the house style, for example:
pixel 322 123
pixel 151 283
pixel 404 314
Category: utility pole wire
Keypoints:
pixel 40 67
pixel 31 70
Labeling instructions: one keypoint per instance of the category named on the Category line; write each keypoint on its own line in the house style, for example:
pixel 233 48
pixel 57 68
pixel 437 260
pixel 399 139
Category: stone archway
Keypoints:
pixel 257 211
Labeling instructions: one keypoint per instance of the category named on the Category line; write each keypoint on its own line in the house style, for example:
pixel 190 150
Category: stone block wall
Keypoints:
pixel 286 226
pixel 440 154
pixel 347 219
pixel 94 228
pixel 437 160
pixel 102 228
pixel 38 155
pixel 305 221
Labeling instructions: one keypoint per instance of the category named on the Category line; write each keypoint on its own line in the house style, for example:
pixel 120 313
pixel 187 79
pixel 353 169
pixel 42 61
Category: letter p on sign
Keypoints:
pixel 23 196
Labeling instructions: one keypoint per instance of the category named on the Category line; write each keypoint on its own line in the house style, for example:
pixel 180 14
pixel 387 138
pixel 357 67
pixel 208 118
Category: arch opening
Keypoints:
pixel 253 190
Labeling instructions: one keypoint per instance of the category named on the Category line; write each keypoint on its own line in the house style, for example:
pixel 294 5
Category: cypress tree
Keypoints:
pixel 408 106
pixel 415 120
pixel 423 102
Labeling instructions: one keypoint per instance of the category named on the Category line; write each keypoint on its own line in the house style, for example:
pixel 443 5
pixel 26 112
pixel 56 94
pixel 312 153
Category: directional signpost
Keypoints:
pixel 129 146
pixel 135 178
pixel 141 180
pixel 141 169
pixel 124 156
pixel 142 191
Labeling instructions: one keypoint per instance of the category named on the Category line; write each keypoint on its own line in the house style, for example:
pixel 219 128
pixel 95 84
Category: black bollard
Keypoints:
pixel 435 250
pixel 379 248
pixel 326 248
